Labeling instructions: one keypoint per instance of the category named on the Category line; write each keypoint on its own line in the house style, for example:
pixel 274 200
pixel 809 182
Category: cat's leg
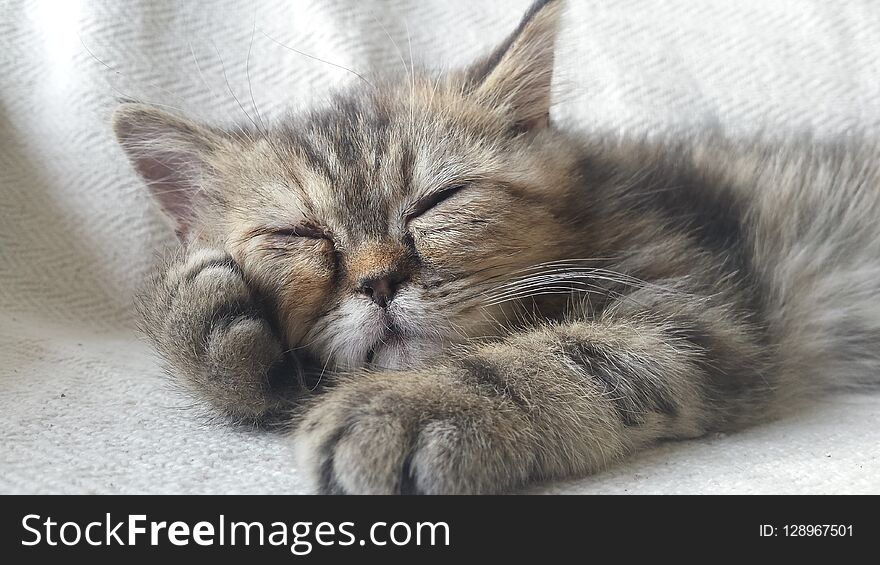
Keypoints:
pixel 557 401
pixel 209 327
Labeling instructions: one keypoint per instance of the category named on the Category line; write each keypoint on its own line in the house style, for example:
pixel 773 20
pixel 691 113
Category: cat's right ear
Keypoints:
pixel 171 154
pixel 516 77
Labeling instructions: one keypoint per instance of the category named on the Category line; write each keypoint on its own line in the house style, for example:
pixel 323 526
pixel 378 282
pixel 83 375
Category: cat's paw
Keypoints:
pixel 206 323
pixel 401 433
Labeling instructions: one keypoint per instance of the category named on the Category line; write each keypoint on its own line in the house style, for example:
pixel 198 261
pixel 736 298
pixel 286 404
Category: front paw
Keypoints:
pixel 208 325
pixel 405 433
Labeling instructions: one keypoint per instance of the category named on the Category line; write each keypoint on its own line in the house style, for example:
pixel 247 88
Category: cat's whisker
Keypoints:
pixel 544 280
pixel 229 86
pixel 406 68
pixel 247 72
pixel 530 290
pixel 434 87
pixel 562 272
pixel 569 260
pixel 570 264
pixel 412 74
pixel 564 276
pixel 195 59
pixel 122 75
pixel 320 60
pixel 541 292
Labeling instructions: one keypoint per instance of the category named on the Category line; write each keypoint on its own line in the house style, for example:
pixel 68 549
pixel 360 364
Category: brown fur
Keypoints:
pixel 553 302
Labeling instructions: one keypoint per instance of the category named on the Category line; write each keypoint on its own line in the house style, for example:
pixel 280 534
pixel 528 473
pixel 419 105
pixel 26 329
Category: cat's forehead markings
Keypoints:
pixel 288 201
pixel 316 200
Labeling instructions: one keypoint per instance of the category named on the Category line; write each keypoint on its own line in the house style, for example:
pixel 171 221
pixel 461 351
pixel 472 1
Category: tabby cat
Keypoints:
pixel 440 291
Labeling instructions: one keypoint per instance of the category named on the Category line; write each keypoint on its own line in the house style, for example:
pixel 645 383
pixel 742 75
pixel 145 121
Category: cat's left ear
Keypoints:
pixel 516 76
pixel 173 156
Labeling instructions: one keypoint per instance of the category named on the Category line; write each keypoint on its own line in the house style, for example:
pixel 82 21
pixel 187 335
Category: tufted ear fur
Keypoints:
pixel 516 76
pixel 171 154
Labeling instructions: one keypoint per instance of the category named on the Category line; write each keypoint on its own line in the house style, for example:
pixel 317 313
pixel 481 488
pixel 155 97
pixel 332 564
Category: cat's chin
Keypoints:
pixel 403 352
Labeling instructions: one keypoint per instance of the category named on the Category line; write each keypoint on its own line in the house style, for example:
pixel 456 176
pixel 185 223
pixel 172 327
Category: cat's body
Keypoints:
pixel 480 300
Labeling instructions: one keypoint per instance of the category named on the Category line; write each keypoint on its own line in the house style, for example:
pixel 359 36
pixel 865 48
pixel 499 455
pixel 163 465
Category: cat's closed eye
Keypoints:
pixel 432 200
pixel 308 231
pixel 288 237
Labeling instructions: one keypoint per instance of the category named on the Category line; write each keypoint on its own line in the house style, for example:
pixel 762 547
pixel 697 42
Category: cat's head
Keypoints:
pixel 384 224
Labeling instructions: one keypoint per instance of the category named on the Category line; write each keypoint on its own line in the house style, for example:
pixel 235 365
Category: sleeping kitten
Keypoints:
pixel 451 295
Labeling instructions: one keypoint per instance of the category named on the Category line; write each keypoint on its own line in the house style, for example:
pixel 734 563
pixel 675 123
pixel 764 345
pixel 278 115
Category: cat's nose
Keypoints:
pixel 381 289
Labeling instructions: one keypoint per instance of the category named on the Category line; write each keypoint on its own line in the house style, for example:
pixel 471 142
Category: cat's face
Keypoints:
pixel 383 226
pixel 386 223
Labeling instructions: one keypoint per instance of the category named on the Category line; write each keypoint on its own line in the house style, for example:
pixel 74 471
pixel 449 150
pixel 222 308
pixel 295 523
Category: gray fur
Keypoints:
pixel 550 302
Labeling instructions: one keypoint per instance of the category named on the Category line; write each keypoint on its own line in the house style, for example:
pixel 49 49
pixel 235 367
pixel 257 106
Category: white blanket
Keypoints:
pixel 83 404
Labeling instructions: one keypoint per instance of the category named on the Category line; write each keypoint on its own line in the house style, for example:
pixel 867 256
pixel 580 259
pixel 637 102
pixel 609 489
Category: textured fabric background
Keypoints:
pixel 83 405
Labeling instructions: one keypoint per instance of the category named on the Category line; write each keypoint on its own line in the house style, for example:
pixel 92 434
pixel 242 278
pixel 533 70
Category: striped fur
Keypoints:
pixel 452 295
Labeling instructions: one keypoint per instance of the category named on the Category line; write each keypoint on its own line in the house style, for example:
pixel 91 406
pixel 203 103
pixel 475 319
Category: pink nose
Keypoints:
pixel 381 289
